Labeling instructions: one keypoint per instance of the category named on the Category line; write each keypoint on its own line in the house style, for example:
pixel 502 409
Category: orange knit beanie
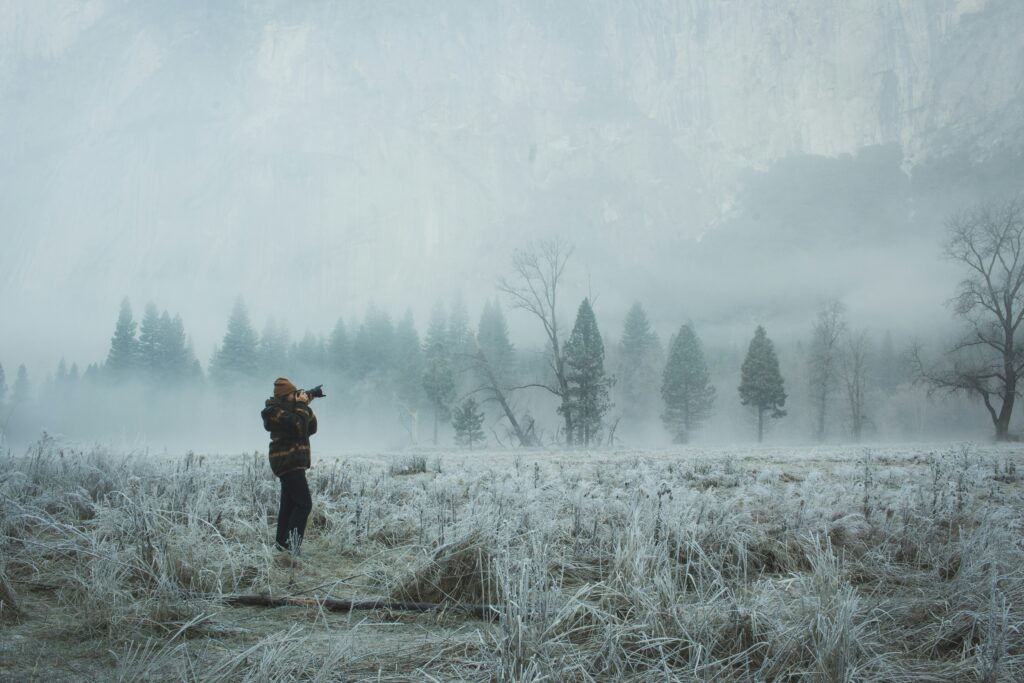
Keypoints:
pixel 283 387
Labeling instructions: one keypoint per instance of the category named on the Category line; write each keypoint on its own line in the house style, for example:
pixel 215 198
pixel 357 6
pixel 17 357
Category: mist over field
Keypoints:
pixel 656 340
pixel 355 181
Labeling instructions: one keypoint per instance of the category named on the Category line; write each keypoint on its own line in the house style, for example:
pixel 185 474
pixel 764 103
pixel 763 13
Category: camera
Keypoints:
pixel 315 392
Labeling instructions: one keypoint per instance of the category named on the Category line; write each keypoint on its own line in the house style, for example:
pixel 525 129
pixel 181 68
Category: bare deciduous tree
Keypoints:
pixel 987 360
pixel 538 272
pixel 854 372
pixel 824 361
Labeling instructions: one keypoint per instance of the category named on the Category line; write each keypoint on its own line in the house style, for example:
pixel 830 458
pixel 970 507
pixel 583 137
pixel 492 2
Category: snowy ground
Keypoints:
pixel 833 563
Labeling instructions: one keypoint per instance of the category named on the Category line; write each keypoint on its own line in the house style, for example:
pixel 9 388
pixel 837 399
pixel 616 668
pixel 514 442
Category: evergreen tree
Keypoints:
pixel 461 346
pixel 639 359
pixel 373 347
pixel 123 357
pixel 408 363
pixel 492 338
pixel 761 385
pixel 57 394
pixel 685 386
pixel 72 376
pixel 588 385
pixel 273 349
pixel 338 351
pixel 460 337
pixel 467 421
pixel 238 357
pixel 60 378
pixel 92 374
pixel 3 385
pixel 151 350
pixel 20 391
pixel 177 362
pixel 438 379
pixel 436 338
pixel 307 356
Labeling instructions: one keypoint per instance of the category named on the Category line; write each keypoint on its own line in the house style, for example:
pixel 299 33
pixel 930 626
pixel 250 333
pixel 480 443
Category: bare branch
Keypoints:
pixel 539 270
pixel 553 390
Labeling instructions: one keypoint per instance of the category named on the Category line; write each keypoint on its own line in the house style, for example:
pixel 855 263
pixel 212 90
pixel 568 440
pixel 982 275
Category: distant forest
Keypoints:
pixel 389 386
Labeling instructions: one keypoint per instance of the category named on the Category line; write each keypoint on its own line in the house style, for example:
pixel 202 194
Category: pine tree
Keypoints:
pixel 20 391
pixel 467 421
pixel 461 345
pixel 177 360
pixel 93 373
pixel 338 351
pixel 761 385
pixel 639 360
pixel 492 338
pixel 57 393
pixel 123 358
pixel 373 347
pixel 408 363
pixel 273 349
pixel 307 356
pixel 460 337
pixel 588 385
pixel 3 385
pixel 150 344
pixel 237 358
pixel 438 379
pixel 685 386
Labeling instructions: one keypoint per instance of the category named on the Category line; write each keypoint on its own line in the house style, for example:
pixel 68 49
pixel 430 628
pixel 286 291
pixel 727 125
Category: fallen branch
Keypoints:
pixel 334 605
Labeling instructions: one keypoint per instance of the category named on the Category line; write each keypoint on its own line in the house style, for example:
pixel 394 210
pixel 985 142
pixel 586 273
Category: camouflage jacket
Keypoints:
pixel 290 424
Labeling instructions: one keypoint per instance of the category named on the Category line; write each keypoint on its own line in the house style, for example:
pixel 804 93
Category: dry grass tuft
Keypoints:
pixel 458 571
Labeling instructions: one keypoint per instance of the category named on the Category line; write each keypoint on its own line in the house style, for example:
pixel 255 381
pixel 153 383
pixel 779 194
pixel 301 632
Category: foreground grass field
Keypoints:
pixel 835 564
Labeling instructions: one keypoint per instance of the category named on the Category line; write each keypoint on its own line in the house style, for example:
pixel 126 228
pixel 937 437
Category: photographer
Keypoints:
pixel 290 421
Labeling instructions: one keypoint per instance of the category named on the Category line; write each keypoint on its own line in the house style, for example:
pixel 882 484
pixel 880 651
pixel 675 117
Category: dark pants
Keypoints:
pixel 296 505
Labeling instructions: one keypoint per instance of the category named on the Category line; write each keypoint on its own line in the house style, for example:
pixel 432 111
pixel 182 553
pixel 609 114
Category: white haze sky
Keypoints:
pixel 730 163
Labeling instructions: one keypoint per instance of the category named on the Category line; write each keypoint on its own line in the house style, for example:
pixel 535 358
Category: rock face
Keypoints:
pixel 194 150
pixel 749 82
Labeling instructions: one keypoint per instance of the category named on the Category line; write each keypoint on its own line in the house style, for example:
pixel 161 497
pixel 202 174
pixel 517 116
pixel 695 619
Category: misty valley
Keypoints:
pixel 514 341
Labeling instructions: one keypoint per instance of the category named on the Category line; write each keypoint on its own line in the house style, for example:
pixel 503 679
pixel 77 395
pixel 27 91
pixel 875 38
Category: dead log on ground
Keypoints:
pixel 334 605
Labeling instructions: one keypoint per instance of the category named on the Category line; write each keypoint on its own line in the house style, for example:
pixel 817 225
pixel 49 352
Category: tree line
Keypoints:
pixel 455 375
pixel 459 377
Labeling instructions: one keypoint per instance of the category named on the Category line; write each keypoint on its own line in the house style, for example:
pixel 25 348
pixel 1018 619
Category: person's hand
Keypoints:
pixel 302 397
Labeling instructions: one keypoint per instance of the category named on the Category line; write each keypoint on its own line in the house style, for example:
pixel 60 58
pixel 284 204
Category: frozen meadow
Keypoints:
pixel 880 563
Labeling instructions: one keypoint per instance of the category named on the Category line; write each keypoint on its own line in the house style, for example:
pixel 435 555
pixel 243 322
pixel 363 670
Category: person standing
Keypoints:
pixel 290 421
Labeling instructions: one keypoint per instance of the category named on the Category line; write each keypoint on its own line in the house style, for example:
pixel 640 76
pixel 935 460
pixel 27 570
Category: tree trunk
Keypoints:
pixel 1009 389
pixel 524 440
pixel 760 424
pixel 1003 421
pixel 822 409
pixel 436 410
pixel 567 415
